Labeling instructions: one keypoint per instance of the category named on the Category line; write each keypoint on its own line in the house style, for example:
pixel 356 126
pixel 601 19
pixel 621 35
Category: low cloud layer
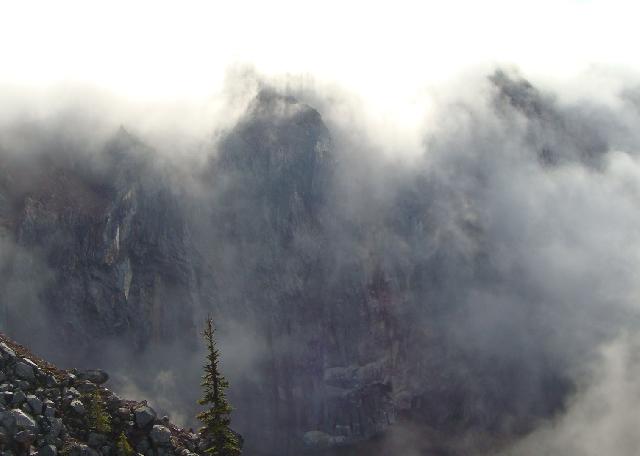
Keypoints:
pixel 483 277
pixel 601 418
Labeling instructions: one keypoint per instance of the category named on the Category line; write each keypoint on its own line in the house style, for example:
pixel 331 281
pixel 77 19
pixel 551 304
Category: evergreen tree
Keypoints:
pixel 123 447
pixel 216 419
pixel 97 416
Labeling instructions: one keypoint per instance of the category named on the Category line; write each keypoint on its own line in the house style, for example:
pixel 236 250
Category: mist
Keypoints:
pixel 468 280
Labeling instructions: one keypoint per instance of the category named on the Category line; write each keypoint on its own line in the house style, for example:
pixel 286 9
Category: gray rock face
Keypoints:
pixel 277 169
pixel 116 234
pixel 319 440
pixel 336 302
pixel 133 260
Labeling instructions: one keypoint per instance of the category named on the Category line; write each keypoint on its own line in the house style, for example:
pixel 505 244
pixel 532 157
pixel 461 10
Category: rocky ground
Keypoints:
pixel 48 411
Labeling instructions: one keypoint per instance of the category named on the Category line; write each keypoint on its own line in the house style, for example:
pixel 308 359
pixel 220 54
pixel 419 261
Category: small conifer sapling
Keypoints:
pixel 216 418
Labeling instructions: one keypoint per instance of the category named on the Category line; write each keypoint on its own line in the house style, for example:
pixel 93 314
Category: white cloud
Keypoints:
pixel 384 50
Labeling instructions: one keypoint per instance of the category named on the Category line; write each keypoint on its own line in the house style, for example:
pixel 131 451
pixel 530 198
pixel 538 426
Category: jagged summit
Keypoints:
pixel 520 93
pixel 278 159
pixel 560 136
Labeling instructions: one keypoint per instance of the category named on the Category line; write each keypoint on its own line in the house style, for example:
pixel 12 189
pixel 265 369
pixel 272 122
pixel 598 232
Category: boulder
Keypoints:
pixel 35 404
pixel 78 406
pixel 95 440
pixel 144 416
pixel 25 371
pixel 38 418
pixel 7 419
pixel 50 408
pixel 47 450
pixel 18 398
pixel 71 392
pixel 82 450
pixel 24 437
pixel 96 376
pixel 24 421
pixel 6 352
pixel 160 435
pixel 85 387
pixel 4 436
pixel 55 427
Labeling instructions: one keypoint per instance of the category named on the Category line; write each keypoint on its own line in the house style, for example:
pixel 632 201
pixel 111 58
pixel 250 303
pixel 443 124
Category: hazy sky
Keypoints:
pixel 389 50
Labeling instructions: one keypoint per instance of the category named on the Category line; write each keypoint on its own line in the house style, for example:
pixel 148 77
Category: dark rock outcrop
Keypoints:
pixel 111 240
pixel 55 418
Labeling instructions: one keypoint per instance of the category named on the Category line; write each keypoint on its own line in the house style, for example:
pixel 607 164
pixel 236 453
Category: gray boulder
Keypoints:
pixel 86 387
pixel 4 436
pixel 78 406
pixel 50 408
pixel 71 392
pixel 55 427
pixel 7 419
pixel 82 450
pixel 160 435
pixel 35 404
pixel 6 352
pixel 25 436
pixel 47 450
pixel 25 370
pixel 145 415
pixel 18 398
pixel 24 421
pixel 96 440
pixel 96 376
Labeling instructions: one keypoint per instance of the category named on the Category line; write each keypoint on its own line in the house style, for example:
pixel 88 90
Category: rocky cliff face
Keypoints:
pixel 354 311
pixel 112 242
